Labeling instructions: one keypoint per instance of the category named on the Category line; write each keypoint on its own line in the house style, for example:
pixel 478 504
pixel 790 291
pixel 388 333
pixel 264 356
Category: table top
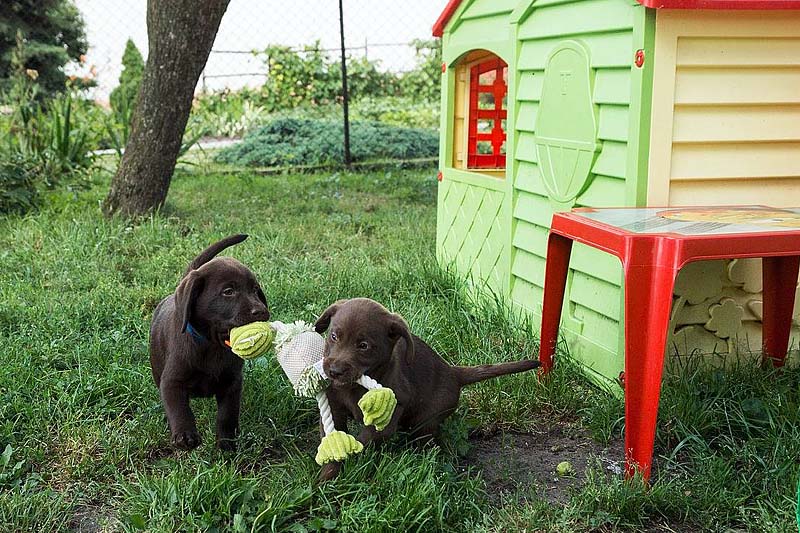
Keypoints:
pixel 696 221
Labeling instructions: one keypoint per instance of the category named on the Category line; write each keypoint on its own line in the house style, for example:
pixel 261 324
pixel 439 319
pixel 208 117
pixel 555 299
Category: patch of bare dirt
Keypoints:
pixel 91 519
pixel 523 465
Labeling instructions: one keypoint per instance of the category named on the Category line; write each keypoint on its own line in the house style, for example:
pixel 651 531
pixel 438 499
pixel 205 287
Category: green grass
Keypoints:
pixel 88 441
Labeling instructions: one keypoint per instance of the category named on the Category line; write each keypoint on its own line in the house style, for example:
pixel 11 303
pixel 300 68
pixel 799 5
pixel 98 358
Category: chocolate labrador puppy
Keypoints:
pixel 365 338
pixel 188 355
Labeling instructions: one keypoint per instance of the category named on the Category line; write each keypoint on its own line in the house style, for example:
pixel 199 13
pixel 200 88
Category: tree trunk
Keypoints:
pixel 180 34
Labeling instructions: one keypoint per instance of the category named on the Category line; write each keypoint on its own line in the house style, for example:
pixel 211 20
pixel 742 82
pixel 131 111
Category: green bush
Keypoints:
pixel 52 32
pixel 397 110
pixel 306 142
pixel 310 77
pixel 226 113
pixel 123 97
pixel 20 180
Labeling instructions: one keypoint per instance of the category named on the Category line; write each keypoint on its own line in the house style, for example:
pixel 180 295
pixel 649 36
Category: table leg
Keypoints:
pixel 779 276
pixel 555 281
pixel 648 302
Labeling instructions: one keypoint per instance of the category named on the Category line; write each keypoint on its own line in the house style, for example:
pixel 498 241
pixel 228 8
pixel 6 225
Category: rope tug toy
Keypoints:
pixel 299 351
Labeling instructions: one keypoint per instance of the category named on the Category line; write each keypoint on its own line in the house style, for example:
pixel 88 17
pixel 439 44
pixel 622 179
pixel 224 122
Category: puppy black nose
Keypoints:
pixel 335 371
pixel 260 312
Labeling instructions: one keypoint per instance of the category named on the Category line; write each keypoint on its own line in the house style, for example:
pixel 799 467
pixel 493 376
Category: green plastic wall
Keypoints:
pixel 474 210
pixel 618 96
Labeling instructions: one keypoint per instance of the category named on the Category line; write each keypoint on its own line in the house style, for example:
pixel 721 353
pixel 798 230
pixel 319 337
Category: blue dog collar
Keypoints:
pixel 196 335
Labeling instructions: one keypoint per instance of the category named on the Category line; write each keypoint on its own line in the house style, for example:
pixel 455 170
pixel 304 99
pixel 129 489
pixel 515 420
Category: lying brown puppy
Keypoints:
pixel 188 355
pixel 365 338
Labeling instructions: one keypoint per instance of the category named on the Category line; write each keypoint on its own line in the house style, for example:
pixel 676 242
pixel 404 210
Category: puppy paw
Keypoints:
pixel 329 471
pixel 186 440
pixel 226 444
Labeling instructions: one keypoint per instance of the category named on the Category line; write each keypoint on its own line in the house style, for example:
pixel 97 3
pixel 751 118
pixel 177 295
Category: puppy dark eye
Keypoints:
pixel 333 336
pixel 227 291
pixel 363 345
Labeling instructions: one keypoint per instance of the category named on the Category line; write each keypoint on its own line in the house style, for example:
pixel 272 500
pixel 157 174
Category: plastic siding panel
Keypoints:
pixel 598 264
pixel 526 116
pixel 529 267
pixel 530 86
pixel 604 192
pixel 740 123
pixel 534 209
pixel 599 328
pixel 612 50
pixel 595 294
pixel 529 179
pixel 530 236
pixel 752 162
pixel 727 84
pixel 479 30
pixel 780 192
pixel 588 17
pixel 702 51
pixel 527 295
pixel 614 123
pixel 613 86
pixel 737 85
pixel 611 161
pixel 525 149
pixel 484 8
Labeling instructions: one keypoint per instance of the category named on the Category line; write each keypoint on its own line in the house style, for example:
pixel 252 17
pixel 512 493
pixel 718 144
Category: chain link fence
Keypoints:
pixel 274 91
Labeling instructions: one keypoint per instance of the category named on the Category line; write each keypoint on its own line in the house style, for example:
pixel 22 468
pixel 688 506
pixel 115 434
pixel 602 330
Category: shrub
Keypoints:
pixel 226 113
pixel 19 183
pixel 53 32
pixel 123 97
pixel 397 110
pixel 306 142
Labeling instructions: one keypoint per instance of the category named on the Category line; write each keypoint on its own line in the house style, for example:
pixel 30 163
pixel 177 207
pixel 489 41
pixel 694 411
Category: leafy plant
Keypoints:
pixel 10 471
pixel 310 77
pixel 306 142
pixel 123 97
pixel 20 179
pixel 226 113
pixel 53 32
pixel 423 82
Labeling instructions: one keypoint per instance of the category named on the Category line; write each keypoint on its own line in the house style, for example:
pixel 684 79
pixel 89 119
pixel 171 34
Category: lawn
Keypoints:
pixel 86 441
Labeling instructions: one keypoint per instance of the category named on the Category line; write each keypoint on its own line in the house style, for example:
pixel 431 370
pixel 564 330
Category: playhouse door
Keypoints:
pixel 566 126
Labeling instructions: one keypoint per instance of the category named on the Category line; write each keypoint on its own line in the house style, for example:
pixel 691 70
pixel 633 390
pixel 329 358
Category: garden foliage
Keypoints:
pixel 53 33
pixel 123 97
pixel 309 142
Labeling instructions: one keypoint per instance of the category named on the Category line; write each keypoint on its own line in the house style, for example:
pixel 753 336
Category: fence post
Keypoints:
pixel 345 95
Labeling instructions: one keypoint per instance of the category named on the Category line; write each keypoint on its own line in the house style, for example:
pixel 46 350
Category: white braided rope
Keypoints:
pixel 325 413
pixel 368 383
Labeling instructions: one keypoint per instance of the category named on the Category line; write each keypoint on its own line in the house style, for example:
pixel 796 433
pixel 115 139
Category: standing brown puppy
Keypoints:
pixel 365 338
pixel 188 355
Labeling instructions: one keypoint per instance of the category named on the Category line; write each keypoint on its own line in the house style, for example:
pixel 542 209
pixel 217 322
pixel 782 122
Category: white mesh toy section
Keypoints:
pixel 303 351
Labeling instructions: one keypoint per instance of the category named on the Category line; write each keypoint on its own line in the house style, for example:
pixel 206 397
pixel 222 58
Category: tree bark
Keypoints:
pixel 180 34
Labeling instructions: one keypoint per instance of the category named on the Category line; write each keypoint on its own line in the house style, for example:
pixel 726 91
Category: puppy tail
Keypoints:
pixel 209 253
pixel 474 374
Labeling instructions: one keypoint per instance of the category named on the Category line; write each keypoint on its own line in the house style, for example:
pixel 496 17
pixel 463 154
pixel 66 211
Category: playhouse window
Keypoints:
pixel 486 133
pixel 479 119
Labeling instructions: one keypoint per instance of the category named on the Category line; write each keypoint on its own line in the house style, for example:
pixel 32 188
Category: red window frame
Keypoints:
pixel 494 160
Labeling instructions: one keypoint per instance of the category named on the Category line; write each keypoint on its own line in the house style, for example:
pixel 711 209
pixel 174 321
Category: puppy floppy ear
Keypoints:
pixel 324 320
pixel 398 328
pixel 186 295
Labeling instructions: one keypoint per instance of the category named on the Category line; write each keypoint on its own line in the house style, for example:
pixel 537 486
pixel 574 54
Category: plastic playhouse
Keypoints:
pixel 553 104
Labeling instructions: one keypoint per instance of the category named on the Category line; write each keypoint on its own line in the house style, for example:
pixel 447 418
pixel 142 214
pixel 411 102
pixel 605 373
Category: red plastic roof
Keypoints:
pixel 444 18
pixel 452 6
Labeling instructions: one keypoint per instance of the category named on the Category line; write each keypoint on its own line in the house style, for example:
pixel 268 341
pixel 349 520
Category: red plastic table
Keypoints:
pixel 653 244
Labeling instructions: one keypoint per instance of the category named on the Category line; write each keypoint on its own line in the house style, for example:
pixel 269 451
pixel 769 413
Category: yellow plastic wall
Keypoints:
pixel 725 130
